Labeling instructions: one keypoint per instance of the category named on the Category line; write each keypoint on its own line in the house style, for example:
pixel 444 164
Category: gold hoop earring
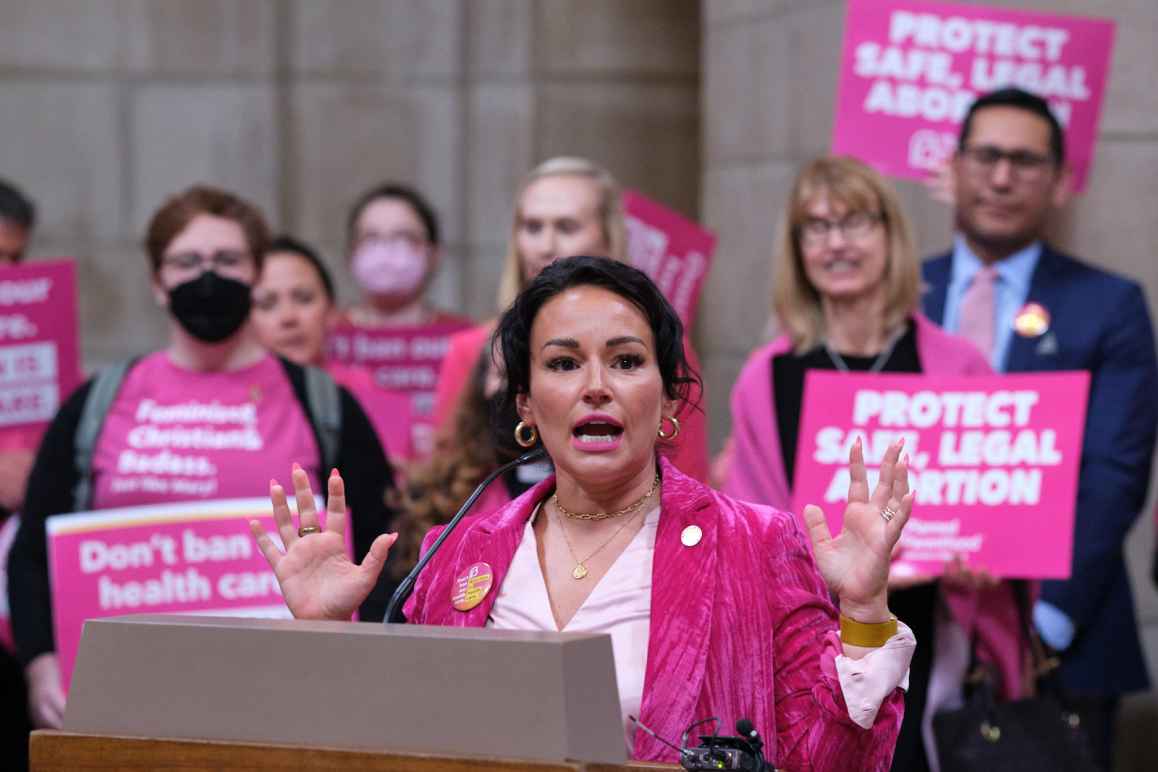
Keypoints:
pixel 523 440
pixel 675 428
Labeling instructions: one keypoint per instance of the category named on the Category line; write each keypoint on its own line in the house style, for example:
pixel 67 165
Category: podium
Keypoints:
pixel 66 752
pixel 235 693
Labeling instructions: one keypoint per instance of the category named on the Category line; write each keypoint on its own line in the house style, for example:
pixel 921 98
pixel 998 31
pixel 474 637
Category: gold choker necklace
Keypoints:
pixel 633 507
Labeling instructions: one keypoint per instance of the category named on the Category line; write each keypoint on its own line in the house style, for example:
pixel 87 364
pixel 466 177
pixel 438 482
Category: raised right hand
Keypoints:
pixel 318 580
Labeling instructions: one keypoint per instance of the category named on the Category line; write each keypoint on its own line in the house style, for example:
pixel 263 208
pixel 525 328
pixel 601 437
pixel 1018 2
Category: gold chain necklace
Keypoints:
pixel 605 515
pixel 580 569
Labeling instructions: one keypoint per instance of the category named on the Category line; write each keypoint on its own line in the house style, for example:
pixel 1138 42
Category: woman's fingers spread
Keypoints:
pixel 336 503
pixel 817 525
pixel 884 487
pixel 858 478
pixel 282 515
pixel 307 515
pixel 376 556
pixel 265 544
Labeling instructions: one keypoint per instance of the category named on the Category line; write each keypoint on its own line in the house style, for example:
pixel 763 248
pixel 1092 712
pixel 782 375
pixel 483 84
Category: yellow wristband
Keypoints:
pixel 870 636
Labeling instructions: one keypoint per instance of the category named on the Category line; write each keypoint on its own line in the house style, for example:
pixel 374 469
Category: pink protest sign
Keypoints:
pixel 401 359
pixel 674 251
pixel 38 343
pixel 994 463
pixel 188 558
pixel 910 69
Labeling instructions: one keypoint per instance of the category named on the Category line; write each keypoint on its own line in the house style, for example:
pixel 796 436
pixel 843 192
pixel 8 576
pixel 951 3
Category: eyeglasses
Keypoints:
pixel 852 227
pixel 221 260
pixel 1024 165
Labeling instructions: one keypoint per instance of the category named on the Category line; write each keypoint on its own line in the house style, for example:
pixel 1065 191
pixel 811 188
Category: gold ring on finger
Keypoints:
pixel 306 530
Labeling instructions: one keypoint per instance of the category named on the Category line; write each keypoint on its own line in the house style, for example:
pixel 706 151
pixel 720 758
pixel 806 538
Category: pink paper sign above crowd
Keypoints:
pixel 994 463
pixel 403 360
pixel 186 558
pixel 39 357
pixel 674 251
pixel 909 71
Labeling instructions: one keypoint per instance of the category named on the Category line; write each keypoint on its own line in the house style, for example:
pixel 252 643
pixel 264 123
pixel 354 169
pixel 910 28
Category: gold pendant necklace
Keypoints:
pixel 580 571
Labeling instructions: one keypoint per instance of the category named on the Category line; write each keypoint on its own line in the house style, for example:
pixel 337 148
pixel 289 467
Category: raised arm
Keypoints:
pixel 317 578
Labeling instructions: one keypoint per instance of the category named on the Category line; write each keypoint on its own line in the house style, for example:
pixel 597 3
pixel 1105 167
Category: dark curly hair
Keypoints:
pixel 513 334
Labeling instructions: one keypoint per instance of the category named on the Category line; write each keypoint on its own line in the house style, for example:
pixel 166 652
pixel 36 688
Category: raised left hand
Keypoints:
pixel 855 564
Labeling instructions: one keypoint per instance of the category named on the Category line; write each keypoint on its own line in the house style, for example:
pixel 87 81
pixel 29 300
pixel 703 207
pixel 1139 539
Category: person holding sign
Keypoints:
pixel 716 607
pixel 564 206
pixel 212 416
pixel 293 308
pixel 846 294
pixel 1030 308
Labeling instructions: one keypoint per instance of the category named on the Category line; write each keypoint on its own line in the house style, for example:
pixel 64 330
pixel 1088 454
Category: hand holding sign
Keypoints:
pixel 316 575
pixel 855 564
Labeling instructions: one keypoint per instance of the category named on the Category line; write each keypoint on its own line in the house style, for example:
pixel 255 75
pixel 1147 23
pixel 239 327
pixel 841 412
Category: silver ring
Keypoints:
pixel 888 513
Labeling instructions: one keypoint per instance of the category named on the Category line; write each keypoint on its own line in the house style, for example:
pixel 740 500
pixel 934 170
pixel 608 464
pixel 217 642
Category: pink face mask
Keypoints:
pixel 389 267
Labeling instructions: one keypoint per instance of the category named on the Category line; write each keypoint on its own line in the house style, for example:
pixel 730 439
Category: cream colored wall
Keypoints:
pixel 770 71
pixel 107 106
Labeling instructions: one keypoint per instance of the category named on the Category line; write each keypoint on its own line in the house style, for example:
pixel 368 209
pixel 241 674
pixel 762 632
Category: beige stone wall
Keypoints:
pixel 770 71
pixel 107 106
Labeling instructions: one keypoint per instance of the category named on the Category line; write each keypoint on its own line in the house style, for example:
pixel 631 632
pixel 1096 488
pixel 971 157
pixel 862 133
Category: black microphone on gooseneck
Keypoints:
pixel 394 610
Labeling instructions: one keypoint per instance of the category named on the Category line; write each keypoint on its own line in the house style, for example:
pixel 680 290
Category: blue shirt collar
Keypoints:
pixel 1016 270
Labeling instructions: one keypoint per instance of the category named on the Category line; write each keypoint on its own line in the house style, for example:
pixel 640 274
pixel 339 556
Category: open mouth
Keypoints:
pixel 597 430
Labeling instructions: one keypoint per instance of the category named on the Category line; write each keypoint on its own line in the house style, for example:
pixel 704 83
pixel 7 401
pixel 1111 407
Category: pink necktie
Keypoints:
pixel 978 307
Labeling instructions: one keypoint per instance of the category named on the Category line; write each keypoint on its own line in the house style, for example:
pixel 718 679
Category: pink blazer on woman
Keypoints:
pixel 741 626
pixel 755 472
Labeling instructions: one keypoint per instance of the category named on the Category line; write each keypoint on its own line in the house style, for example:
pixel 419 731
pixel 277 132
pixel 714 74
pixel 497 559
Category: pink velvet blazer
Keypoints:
pixel 755 472
pixel 741 626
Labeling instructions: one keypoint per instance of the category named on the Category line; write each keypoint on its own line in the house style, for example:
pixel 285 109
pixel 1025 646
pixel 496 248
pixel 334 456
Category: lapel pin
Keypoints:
pixel 691 536
pixel 1031 321
pixel 1047 346
pixel 471 586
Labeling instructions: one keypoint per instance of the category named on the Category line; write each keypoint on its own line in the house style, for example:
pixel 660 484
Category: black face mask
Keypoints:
pixel 211 307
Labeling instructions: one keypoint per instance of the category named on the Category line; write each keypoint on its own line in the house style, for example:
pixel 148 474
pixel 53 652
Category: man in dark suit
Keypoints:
pixel 1033 309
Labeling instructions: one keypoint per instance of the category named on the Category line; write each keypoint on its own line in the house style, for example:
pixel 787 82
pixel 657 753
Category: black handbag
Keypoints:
pixel 1036 733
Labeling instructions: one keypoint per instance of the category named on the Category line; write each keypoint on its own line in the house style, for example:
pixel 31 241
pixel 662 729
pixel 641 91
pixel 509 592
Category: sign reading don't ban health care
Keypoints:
pixel 184 558
pixel 909 71
pixel 994 463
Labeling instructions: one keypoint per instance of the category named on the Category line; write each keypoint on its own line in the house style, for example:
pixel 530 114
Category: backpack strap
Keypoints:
pixel 325 407
pixel 105 385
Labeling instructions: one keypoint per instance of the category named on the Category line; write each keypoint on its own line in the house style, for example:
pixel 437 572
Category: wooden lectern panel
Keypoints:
pixel 66 752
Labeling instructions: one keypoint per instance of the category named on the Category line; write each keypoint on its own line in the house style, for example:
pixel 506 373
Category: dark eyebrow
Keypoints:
pixel 623 339
pixel 563 342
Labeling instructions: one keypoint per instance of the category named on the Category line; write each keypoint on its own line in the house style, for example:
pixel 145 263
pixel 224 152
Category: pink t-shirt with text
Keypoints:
pixel 174 434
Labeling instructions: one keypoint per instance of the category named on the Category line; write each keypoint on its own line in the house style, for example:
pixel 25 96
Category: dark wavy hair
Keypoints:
pixel 513 334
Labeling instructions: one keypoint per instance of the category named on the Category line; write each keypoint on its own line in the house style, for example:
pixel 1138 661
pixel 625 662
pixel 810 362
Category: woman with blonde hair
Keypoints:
pixel 565 206
pixel 846 297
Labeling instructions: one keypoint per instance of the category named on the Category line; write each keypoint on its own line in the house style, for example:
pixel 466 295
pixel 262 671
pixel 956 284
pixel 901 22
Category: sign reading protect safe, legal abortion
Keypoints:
pixel 994 463
pixel 188 558
pixel 38 342
pixel 909 71
pixel 673 251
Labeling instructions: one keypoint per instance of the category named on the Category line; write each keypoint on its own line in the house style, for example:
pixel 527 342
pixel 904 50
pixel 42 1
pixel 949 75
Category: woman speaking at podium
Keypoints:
pixel 715 607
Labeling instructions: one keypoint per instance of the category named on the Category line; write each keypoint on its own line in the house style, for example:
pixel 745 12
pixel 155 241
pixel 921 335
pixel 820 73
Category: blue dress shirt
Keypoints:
pixel 1014 274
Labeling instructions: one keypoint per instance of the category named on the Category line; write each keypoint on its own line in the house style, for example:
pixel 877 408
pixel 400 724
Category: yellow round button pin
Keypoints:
pixel 1031 321
pixel 691 536
pixel 472 586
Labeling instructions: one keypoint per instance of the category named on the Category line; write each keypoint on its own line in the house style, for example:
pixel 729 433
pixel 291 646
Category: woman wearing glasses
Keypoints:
pixel 213 415
pixel 846 297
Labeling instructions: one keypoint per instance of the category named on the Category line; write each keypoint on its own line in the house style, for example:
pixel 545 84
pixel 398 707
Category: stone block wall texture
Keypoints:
pixel 769 79
pixel 109 106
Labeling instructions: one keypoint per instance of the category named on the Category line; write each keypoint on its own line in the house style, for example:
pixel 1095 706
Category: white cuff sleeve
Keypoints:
pixel 867 681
